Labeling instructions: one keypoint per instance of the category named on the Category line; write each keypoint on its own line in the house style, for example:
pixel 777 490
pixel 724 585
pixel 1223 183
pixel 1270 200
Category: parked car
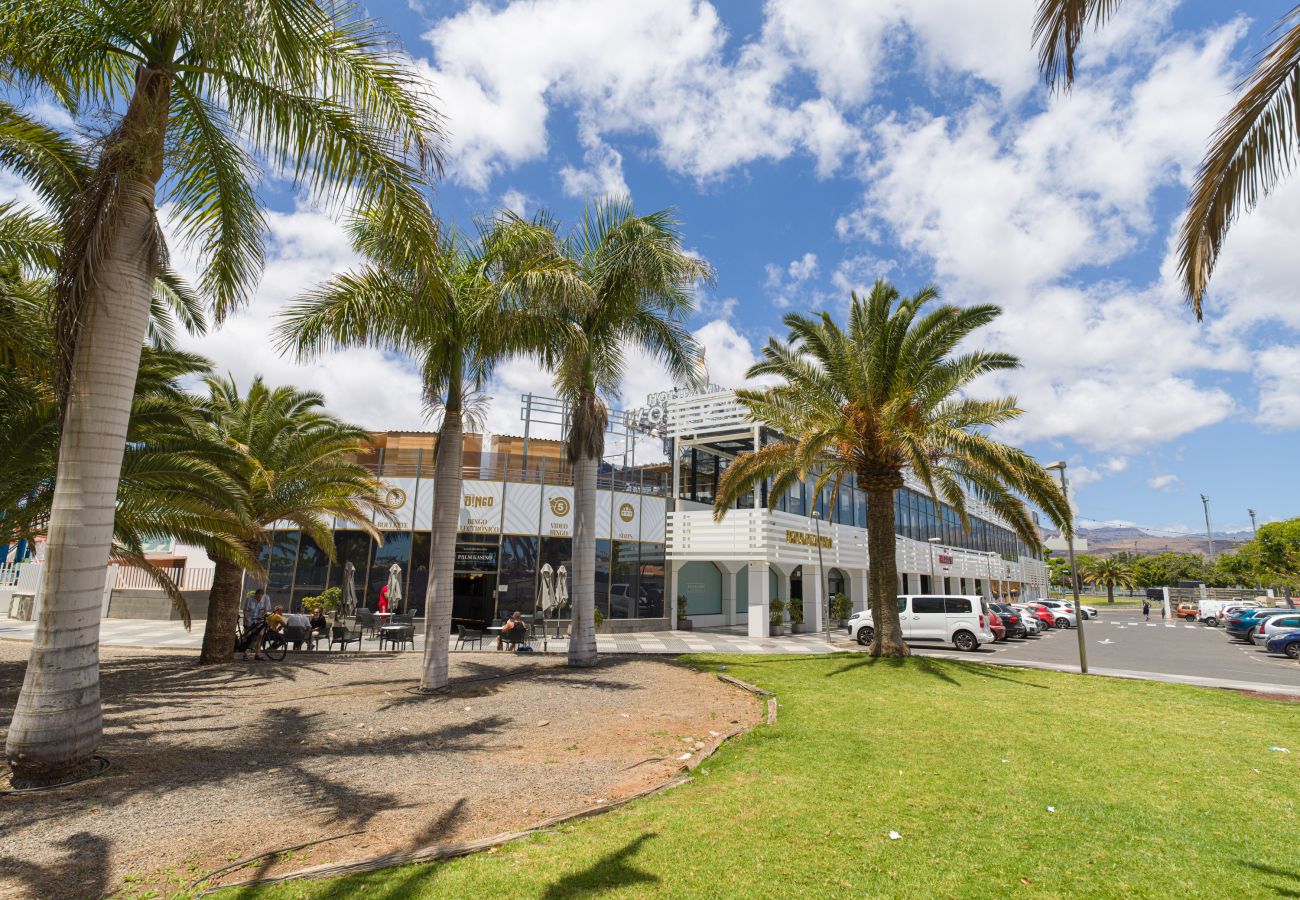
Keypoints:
pixel 1212 612
pixel 961 620
pixel 1287 642
pixel 1068 606
pixel 1188 611
pixel 1033 627
pixel 1273 625
pixel 995 625
pixel 1012 619
pixel 1042 613
pixel 1064 618
pixel 1242 623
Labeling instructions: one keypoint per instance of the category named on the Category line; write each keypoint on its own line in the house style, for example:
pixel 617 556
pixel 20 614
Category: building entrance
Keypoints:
pixel 474 597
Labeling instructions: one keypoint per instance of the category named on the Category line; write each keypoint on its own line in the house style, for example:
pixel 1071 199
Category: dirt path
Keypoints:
pixel 218 764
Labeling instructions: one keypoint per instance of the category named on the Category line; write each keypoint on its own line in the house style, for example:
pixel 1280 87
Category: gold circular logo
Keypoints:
pixel 560 506
pixel 395 498
pixel 626 512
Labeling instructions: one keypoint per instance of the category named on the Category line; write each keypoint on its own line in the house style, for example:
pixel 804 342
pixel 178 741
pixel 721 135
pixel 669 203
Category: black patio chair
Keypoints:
pixel 397 636
pixel 298 635
pixel 343 635
pixel 365 619
pixel 518 637
pixel 468 637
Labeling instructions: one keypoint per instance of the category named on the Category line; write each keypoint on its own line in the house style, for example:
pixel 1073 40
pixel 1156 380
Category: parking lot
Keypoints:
pixel 1121 643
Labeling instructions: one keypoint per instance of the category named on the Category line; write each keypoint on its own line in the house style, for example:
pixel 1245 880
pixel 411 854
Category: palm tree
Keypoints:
pixel 638 282
pixel 885 396
pixel 455 305
pixel 194 89
pixel 1110 572
pixel 1252 148
pixel 293 463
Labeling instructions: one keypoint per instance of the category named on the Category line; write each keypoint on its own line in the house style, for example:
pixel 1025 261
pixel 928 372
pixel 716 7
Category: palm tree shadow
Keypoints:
pixel 608 872
pixel 84 873
pixel 1265 869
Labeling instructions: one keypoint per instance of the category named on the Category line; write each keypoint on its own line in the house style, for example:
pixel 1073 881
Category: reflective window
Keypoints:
pixel 518 574
pixel 650 579
pixel 396 549
pixel 927 605
pixel 958 605
pixel 625 592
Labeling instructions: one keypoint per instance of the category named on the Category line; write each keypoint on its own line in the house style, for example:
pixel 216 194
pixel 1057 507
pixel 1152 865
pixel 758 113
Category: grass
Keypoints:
pixel 1158 790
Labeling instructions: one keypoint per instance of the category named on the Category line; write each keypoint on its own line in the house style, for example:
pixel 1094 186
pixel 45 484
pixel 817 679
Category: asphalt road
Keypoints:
pixel 1122 643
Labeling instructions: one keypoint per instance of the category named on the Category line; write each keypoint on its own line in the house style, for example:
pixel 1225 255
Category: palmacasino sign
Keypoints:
pixel 804 539
pixel 653 417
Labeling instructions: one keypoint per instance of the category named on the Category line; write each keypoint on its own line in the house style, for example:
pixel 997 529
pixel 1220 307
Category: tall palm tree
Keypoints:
pixel 638 295
pixel 293 463
pixel 1110 572
pixel 1253 147
pixel 193 90
pixel 456 305
pixel 884 396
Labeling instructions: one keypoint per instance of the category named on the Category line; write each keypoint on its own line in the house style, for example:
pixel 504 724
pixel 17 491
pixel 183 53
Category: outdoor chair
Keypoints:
pixel 365 619
pixel 468 637
pixel 517 637
pixel 343 635
pixel 397 636
pixel 297 635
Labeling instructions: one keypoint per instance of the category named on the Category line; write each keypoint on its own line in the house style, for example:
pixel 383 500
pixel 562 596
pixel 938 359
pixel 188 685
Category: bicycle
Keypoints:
pixel 274 645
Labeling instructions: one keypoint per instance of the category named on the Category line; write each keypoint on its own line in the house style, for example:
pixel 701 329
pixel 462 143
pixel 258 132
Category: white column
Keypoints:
pixel 758 605
pixel 913 583
pixel 858 589
pixel 674 568
pixel 728 592
pixel 814 597
pixel 783 586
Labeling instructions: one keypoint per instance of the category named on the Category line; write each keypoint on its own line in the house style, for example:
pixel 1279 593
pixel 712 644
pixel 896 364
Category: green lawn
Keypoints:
pixel 1178 795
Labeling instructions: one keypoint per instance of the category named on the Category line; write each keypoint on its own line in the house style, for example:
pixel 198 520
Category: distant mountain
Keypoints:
pixel 1107 540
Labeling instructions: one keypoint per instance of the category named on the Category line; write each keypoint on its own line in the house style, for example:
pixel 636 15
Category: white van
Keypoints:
pixel 958 619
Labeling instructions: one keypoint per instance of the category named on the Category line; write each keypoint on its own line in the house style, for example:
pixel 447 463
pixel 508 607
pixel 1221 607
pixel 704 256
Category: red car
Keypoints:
pixel 995 625
pixel 1043 614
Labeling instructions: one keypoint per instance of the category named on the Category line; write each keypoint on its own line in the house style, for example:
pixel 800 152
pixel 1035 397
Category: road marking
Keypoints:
pixel 1153 625
pixel 1107 641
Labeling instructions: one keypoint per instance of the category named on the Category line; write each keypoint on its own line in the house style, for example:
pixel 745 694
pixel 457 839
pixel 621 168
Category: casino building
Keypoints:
pixel 656 537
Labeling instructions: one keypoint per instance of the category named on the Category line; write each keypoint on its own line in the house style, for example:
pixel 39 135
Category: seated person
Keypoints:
pixel 319 624
pixel 514 628
pixel 300 622
pixel 383 600
pixel 275 621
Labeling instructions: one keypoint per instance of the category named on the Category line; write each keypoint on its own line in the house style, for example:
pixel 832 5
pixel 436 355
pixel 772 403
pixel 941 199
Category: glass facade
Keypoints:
pixel 915 514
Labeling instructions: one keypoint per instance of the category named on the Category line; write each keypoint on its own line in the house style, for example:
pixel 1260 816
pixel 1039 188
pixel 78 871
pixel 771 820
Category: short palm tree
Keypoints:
pixel 457 306
pixel 637 282
pixel 193 89
pixel 1254 146
pixel 882 397
pixel 292 463
pixel 1110 572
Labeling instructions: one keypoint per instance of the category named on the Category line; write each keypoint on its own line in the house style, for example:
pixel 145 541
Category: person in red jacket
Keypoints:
pixel 383 599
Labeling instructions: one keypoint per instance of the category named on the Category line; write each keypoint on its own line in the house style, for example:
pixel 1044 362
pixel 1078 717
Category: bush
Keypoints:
pixel 681 606
pixel 328 600
pixel 841 607
pixel 796 612
pixel 600 617
pixel 777 607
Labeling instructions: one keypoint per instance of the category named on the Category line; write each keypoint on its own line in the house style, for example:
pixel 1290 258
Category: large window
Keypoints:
pixel 395 550
pixel 417 579
pixel 602 576
pixel 624 590
pixel 518 574
pixel 352 547
pixel 284 554
pixel 313 569
pixel 650 577
pixel 558 552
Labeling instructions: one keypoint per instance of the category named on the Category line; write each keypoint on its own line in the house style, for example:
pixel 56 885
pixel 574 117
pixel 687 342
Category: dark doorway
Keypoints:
pixel 473 599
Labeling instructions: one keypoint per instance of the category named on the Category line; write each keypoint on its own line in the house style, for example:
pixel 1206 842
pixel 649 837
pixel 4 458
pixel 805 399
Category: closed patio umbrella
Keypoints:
pixel 561 587
pixel 546 600
pixel 395 587
pixel 348 602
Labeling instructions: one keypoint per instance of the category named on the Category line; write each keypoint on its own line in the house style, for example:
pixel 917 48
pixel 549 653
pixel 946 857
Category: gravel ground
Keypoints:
pixel 218 764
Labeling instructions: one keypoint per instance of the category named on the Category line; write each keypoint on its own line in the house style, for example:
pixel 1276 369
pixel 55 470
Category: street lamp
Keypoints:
pixel 1252 521
pixel 1059 466
pixel 1209 535
pixel 821 579
pixel 933 576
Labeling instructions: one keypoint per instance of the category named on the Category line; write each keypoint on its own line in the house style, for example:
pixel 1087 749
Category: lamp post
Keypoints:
pixel 1209 535
pixel 821 579
pixel 1059 466
pixel 1252 522
pixel 933 576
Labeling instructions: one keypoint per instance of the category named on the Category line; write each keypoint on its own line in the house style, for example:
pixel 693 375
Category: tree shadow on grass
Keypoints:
pixel 607 873
pixel 1265 869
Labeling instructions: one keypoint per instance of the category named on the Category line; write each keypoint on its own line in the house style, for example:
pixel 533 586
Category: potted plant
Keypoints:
pixel 841 609
pixel 796 618
pixel 683 623
pixel 776 619
pixel 600 618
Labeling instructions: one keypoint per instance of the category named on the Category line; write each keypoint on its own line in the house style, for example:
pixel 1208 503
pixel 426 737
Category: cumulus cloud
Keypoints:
pixel 1165 482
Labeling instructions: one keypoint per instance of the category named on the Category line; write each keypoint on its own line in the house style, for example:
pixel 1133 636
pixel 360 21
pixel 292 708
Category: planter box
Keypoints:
pixel 776 630
pixel 685 625
pixel 798 628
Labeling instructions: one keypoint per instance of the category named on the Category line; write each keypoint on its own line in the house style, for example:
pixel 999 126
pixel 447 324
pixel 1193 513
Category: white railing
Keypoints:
pixel 188 579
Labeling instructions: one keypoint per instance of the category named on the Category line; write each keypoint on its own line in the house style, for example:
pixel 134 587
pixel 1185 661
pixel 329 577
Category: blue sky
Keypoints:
pixel 809 148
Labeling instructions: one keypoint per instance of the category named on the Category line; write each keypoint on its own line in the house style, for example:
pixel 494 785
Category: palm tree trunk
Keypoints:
pixel 223 613
pixel 883 565
pixel 57 722
pixel 446 519
pixel 1110 593
pixel 582 639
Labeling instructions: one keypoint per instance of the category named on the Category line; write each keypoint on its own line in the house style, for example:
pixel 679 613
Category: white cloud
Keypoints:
pixel 804 267
pixel 604 172
pixel 1277 370
pixel 516 201
pixel 1165 482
